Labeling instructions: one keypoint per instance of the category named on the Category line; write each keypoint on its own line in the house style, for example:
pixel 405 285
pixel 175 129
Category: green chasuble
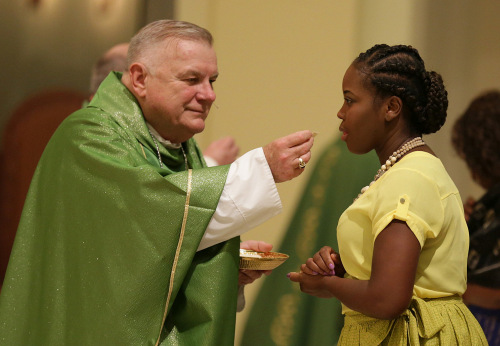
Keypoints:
pixel 282 314
pixel 105 253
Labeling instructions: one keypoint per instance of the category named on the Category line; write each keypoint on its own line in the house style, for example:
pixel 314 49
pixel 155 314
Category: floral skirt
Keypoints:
pixel 441 321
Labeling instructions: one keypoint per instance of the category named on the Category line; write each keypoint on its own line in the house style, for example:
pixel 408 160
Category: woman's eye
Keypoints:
pixel 348 101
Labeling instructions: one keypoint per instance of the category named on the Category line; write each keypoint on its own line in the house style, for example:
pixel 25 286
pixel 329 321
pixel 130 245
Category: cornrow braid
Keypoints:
pixel 400 71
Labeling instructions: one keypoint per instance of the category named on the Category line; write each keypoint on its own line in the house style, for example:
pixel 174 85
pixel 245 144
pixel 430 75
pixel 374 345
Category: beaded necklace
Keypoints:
pixel 406 147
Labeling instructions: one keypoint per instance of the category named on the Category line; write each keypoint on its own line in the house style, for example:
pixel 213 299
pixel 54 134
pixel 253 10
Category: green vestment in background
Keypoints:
pixel 282 314
pixel 97 253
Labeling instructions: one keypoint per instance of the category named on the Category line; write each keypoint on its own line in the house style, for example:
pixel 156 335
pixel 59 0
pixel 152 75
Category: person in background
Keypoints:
pixel 476 138
pixel 401 269
pixel 126 237
pixel 114 59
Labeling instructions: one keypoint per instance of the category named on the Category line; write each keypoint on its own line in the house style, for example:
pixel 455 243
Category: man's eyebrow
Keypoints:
pixel 190 72
pixel 197 73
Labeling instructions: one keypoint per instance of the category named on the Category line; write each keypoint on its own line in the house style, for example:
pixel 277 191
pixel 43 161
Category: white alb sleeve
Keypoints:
pixel 249 198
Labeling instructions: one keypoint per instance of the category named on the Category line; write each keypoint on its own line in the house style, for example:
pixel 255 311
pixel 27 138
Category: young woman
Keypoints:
pixel 404 240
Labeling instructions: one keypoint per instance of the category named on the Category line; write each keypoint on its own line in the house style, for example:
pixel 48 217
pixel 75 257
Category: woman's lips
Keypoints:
pixel 344 134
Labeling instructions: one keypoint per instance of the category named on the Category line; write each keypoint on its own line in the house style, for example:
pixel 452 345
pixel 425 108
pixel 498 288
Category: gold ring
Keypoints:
pixel 302 164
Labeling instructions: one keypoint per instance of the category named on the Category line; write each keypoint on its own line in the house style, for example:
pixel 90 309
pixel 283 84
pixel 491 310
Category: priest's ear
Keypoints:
pixel 137 75
pixel 393 108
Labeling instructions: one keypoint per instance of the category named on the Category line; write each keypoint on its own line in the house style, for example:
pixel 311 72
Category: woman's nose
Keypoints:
pixel 340 114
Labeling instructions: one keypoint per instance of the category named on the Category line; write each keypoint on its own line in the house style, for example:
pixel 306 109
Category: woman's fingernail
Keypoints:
pixel 288 275
pixel 331 266
pixel 333 272
pixel 315 273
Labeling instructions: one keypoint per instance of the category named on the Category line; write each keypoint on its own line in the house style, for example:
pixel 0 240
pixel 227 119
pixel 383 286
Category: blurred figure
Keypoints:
pixel 222 151
pixel 476 138
pixel 114 59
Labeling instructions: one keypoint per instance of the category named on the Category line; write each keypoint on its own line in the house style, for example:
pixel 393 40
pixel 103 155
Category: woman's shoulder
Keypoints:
pixel 422 169
pixel 420 159
pixel 423 163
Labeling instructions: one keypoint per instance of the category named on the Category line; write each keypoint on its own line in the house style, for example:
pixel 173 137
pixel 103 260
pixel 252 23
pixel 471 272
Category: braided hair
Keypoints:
pixel 400 71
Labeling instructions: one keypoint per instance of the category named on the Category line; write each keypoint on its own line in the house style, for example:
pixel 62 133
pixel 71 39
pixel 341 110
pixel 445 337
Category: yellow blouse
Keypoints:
pixel 417 190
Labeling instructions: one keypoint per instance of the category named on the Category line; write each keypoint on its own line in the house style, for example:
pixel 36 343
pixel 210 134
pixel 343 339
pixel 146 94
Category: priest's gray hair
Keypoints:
pixel 158 33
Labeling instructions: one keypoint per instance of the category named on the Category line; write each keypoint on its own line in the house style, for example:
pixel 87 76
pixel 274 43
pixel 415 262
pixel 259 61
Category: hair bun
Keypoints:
pixel 433 116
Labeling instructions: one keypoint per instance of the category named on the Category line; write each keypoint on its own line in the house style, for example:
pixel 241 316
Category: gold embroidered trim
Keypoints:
pixel 143 153
pixel 178 250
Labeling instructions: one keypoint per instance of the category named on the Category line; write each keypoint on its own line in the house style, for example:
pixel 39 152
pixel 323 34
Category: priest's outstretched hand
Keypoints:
pixel 288 156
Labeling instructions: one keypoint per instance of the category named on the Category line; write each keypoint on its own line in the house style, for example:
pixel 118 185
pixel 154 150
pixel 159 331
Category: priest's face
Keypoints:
pixel 179 88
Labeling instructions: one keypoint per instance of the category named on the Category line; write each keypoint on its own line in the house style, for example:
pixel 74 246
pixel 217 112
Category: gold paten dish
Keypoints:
pixel 255 260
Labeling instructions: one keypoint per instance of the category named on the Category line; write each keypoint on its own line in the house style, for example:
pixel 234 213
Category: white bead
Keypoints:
pixel 388 162
pixel 383 167
pixel 363 190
